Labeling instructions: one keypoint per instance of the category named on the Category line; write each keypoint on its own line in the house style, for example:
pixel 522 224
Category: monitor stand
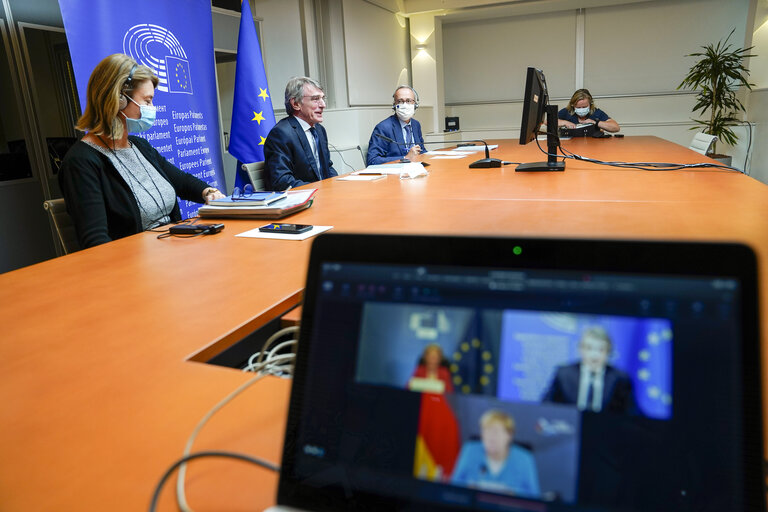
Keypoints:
pixel 552 143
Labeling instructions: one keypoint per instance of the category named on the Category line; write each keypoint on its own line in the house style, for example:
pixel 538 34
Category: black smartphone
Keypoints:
pixel 288 229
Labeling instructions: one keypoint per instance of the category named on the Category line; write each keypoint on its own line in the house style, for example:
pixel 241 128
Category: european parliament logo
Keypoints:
pixel 178 75
pixel 157 48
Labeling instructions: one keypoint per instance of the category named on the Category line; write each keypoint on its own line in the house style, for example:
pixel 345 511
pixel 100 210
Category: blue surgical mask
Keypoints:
pixel 145 122
pixel 582 112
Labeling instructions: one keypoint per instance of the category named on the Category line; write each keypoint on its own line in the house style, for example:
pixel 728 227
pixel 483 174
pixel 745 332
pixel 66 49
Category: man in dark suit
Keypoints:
pixel 296 149
pixel 593 384
pixel 400 127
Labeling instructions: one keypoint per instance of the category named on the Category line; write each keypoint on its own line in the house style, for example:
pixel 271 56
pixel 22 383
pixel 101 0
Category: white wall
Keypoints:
pixel 758 99
pixel 376 42
pixel 283 52
pixel 641 48
pixel 486 60
pixel 631 56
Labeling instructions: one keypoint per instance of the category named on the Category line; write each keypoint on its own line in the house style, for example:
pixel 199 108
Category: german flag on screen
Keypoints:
pixel 438 442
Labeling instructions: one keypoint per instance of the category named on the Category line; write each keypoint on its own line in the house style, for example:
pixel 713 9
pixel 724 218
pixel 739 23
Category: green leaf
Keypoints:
pixel 716 77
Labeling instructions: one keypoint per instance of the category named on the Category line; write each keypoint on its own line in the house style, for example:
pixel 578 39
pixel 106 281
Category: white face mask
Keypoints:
pixel 404 111
pixel 582 112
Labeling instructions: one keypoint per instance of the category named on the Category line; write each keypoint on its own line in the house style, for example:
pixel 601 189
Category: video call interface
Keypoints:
pixel 504 389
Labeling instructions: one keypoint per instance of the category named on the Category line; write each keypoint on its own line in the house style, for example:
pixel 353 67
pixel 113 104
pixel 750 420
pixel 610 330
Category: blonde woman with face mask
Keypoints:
pixel 117 185
pixel 581 110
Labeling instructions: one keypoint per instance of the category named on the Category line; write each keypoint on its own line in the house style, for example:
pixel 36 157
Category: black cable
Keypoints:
pixel 155 230
pixel 166 233
pixel 180 235
pixel 647 166
pixel 542 149
pixel 749 146
pixel 198 455
pixel 643 166
pixel 341 156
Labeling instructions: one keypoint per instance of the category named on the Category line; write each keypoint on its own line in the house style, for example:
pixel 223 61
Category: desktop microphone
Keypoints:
pixel 484 163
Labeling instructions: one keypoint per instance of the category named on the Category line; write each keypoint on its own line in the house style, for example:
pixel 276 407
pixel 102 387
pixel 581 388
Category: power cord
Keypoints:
pixel 181 223
pixel 279 365
pixel 279 334
pixel 181 497
pixel 274 361
pixel 342 156
pixel 749 146
pixel 190 230
pixel 198 455
pixel 643 166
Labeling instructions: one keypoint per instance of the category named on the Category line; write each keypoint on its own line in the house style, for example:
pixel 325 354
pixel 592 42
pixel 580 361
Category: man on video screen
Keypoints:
pixel 592 384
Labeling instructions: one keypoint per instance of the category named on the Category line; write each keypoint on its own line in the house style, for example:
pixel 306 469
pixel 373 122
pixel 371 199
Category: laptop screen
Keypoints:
pixel 525 385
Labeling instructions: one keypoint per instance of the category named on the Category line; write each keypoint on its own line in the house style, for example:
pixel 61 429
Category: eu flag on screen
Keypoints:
pixel 648 360
pixel 252 114
pixel 473 364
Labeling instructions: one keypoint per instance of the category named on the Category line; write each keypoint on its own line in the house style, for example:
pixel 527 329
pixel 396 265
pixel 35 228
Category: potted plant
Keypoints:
pixel 717 75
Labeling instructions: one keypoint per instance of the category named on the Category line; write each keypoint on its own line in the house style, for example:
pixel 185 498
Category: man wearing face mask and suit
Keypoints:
pixel 117 185
pixel 400 127
pixel 581 110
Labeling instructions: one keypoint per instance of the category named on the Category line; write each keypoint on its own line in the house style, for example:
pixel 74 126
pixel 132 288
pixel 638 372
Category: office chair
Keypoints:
pixel 255 172
pixel 702 142
pixel 57 148
pixel 57 208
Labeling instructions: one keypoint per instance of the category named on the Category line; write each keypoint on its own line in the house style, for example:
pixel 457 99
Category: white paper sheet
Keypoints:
pixel 479 147
pixel 362 177
pixel 452 152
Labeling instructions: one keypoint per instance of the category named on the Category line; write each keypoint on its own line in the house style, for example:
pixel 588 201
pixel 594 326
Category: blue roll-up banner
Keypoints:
pixel 175 39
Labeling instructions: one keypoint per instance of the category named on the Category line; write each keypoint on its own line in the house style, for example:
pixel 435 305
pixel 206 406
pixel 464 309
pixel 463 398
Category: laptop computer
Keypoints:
pixel 583 130
pixel 446 373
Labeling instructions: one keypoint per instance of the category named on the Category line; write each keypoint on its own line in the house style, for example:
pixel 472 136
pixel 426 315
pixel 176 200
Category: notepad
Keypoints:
pixel 252 199
pixel 296 201
pixel 395 168
pixel 362 177
pixel 255 233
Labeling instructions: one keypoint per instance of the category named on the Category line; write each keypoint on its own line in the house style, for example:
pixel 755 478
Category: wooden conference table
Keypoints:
pixel 102 351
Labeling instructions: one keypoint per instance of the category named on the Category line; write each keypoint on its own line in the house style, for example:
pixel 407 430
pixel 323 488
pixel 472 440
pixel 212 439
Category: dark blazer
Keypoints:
pixel 381 151
pixel 100 202
pixel 618 395
pixel 288 159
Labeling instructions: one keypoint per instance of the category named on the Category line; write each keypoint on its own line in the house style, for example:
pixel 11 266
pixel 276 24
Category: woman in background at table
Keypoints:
pixel 581 110
pixel 115 185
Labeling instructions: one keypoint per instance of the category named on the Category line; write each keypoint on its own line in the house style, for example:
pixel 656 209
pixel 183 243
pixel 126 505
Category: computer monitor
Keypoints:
pixel 535 105
pixel 536 99
pixel 669 337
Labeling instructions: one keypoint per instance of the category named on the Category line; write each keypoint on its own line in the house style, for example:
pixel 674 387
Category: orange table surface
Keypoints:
pixel 102 351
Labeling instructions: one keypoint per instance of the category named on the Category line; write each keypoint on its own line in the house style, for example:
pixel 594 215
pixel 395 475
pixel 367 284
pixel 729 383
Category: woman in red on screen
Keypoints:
pixel 431 374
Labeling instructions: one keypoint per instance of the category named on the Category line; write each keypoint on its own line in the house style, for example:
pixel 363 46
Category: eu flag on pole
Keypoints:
pixel 252 114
